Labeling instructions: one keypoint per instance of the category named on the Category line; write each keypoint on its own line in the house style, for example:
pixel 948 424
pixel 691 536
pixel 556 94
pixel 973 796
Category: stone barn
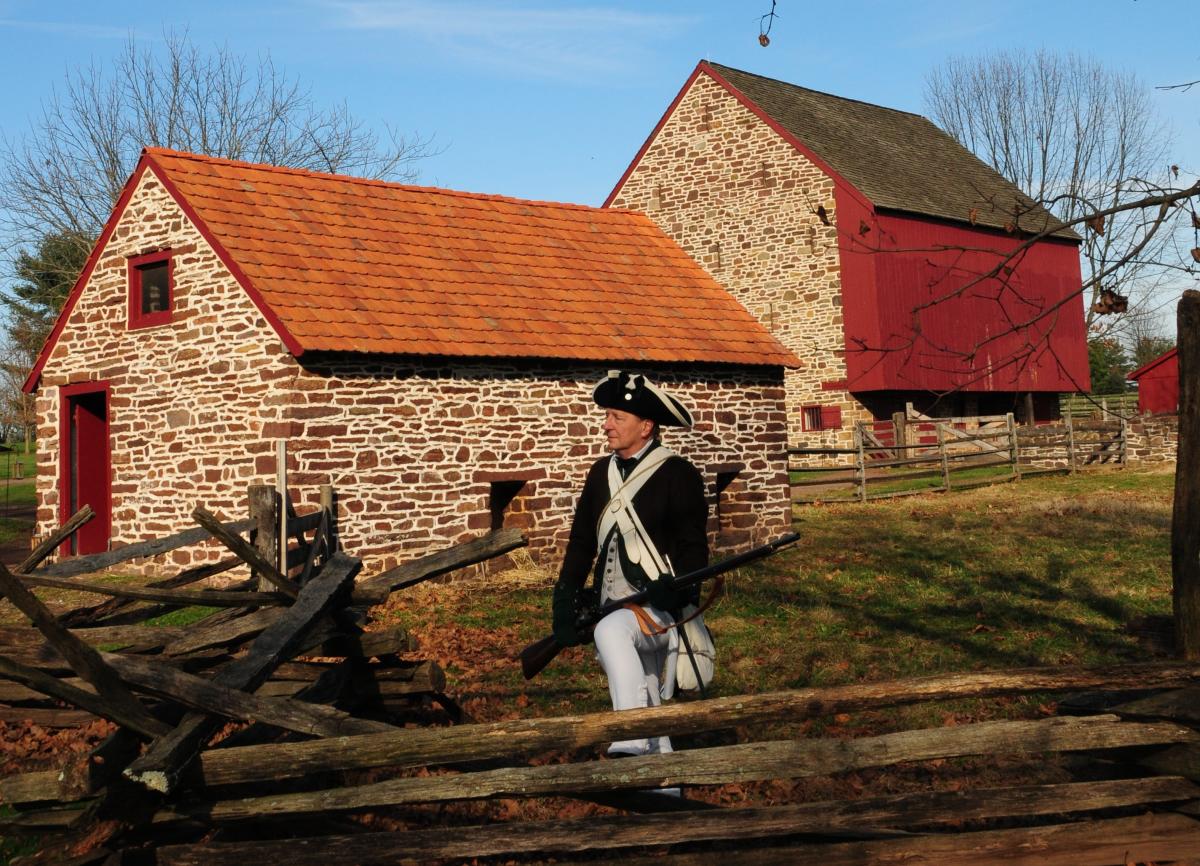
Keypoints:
pixel 873 246
pixel 429 353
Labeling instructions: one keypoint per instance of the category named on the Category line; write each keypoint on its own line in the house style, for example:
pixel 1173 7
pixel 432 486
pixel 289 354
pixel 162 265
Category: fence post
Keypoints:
pixel 941 437
pixel 1124 447
pixel 1185 517
pixel 1014 456
pixel 264 504
pixel 862 463
pixel 327 506
pixel 900 432
pixel 1070 446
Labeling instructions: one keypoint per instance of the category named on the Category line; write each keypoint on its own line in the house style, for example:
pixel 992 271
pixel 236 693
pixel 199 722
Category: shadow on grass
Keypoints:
pixel 901 591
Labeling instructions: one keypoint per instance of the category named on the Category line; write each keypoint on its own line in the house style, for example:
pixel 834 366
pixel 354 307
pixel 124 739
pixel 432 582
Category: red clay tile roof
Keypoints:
pixel 352 265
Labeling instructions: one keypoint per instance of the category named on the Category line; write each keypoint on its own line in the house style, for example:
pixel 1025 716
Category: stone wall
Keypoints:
pixel 760 218
pixel 1153 439
pixel 1149 439
pixel 425 448
pixel 188 399
pixel 415 451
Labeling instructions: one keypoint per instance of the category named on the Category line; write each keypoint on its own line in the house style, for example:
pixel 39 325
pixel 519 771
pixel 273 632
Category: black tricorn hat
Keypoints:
pixel 634 393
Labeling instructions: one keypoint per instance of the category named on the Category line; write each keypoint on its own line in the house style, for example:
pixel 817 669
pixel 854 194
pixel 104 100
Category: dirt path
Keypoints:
pixel 13 551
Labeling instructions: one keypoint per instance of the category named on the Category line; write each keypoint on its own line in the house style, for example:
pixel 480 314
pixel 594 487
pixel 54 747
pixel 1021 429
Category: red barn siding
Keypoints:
pixel 893 264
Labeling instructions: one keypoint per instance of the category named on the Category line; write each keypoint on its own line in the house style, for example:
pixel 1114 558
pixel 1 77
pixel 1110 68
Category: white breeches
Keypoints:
pixel 633 662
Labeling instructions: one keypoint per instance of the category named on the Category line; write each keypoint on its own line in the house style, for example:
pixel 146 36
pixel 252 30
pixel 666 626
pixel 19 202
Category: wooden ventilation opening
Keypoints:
pixel 724 479
pixel 501 496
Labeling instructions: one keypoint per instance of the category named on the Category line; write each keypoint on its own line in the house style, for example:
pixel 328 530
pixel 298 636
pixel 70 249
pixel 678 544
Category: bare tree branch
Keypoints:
pixel 1077 138
pixel 65 174
pixel 918 347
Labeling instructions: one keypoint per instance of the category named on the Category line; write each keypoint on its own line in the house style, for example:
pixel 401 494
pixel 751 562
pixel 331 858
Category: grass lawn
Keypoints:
pixel 18 463
pixel 19 494
pixel 1046 571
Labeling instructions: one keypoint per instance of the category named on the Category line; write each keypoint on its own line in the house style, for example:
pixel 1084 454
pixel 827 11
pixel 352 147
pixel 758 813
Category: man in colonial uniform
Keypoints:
pixel 641 518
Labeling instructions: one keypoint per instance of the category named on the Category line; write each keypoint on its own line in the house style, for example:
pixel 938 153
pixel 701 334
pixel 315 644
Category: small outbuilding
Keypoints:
pixel 429 353
pixel 1158 384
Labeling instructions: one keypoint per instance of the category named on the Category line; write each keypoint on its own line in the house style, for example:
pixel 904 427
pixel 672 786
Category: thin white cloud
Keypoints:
pixel 546 40
pixel 952 31
pixel 66 28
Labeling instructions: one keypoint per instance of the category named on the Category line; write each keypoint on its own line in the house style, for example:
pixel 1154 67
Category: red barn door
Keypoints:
pixel 85 476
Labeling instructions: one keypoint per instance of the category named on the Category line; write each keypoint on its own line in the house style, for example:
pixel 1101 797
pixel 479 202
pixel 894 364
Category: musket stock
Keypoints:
pixel 536 656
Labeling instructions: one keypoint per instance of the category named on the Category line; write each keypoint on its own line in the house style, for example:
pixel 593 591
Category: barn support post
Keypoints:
pixel 1185 517
pixel 264 510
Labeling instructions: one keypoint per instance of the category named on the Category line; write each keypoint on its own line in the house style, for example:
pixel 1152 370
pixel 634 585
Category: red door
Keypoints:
pixel 85 464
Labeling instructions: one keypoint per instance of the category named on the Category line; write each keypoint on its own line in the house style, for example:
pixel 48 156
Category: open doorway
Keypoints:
pixel 85 468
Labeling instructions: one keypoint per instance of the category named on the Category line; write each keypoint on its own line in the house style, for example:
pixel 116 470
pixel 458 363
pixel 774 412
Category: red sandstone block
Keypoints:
pixel 308 412
pixel 326 430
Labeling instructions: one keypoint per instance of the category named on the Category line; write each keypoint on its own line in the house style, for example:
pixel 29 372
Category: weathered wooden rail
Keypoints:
pixel 169 688
pixel 317 698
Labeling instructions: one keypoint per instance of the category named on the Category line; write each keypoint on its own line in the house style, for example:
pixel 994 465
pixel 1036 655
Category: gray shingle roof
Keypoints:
pixel 900 161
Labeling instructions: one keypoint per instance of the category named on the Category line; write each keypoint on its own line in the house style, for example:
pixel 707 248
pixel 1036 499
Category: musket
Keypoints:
pixel 538 654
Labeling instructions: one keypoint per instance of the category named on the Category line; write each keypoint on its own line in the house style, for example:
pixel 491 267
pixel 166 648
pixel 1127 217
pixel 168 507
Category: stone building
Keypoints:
pixel 430 353
pixel 898 267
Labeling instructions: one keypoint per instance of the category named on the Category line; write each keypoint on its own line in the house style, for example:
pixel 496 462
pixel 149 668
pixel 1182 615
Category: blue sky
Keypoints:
pixel 550 99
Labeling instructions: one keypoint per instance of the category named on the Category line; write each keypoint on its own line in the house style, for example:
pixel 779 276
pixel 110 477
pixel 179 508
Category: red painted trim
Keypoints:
pixel 65 393
pixel 292 344
pixel 147 162
pixel 1150 365
pixel 35 374
pixel 654 133
pixel 836 385
pixel 703 67
pixel 136 318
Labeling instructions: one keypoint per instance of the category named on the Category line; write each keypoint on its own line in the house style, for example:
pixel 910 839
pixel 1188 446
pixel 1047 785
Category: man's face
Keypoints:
pixel 627 433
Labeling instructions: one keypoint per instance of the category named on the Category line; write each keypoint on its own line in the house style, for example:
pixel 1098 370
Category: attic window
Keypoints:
pixel 151 289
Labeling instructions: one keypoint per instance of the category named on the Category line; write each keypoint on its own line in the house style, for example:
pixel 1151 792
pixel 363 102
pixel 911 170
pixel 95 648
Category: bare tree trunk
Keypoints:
pixel 1185 521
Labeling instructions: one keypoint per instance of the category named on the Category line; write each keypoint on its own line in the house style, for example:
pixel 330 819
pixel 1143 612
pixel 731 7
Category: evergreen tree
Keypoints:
pixel 1109 363
pixel 44 278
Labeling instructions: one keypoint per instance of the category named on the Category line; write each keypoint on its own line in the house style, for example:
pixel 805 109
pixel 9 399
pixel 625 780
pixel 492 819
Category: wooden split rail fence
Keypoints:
pixel 286 653
pixel 281 799
pixel 905 457
pixel 292 661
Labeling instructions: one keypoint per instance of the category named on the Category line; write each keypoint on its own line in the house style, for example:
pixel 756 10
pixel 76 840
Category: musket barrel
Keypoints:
pixel 538 654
